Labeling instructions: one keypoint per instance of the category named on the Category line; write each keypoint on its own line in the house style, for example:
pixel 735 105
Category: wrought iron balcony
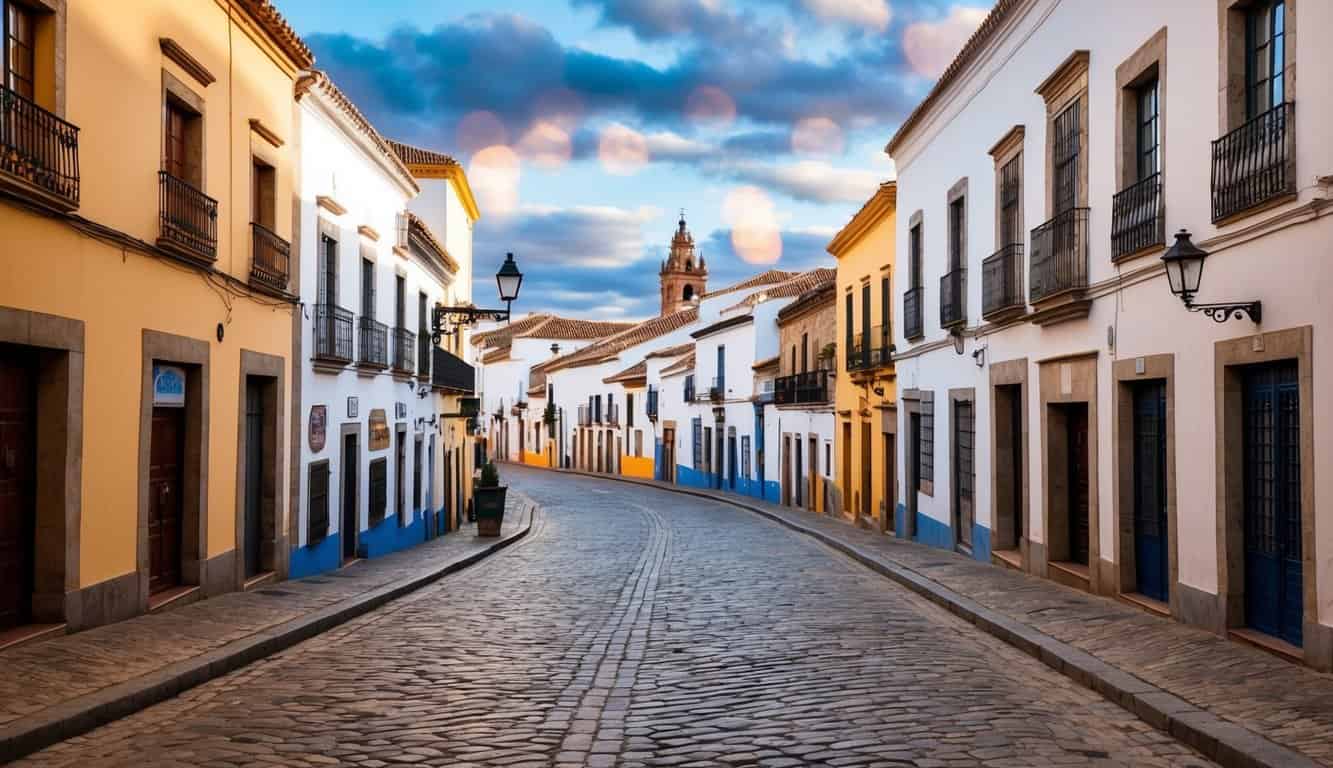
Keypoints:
pixel 333 333
pixel 39 152
pixel 1255 163
pixel 953 298
pixel 652 403
pixel 798 388
pixel 424 355
pixel 1002 282
pixel 404 350
pixel 450 372
pixel 189 218
pixel 869 350
pixel 1060 255
pixel 374 340
pixel 1137 218
pixel 719 389
pixel 913 314
pixel 270 260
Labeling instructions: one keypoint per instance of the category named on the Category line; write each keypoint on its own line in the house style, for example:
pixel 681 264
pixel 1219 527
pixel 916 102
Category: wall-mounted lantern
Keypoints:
pixel 1184 272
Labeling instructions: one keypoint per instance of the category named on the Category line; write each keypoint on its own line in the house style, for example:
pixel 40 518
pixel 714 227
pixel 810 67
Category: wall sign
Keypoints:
pixel 318 432
pixel 168 386
pixel 379 430
pixel 353 406
pixel 400 410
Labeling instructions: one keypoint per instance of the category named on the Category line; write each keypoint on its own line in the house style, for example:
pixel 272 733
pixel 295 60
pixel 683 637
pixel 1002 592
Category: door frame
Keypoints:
pixel 888 430
pixel 1068 380
pixel 959 396
pixel 352 428
pixel 274 554
pixel 1229 357
pixel 216 575
pixel 1010 373
pixel 1125 374
pixel 58 489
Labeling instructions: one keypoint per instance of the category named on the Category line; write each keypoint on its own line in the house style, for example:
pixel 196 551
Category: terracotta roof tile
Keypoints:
pixel 417 226
pixel 496 355
pixel 548 326
pixel 282 33
pixel 630 337
pixel 797 285
pixel 763 278
pixel 503 333
pixel 822 294
pixel 316 79
pixel 637 371
pixel 675 351
pixel 418 156
pixel 684 364
pixel 770 362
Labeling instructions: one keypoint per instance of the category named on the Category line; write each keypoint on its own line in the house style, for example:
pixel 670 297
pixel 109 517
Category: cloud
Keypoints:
pixel 802 249
pixel 930 46
pixel 870 14
pixel 575 237
pixel 809 180
pixel 658 20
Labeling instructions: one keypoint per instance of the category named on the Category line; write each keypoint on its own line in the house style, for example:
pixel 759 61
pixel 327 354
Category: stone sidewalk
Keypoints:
pixel 64 686
pixel 1236 704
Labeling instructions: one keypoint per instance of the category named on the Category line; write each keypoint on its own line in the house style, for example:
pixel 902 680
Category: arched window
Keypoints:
pixel 688 293
pixel 689 265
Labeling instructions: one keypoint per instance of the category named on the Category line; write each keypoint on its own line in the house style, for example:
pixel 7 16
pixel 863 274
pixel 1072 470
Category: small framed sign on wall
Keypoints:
pixel 353 406
pixel 318 431
pixel 168 386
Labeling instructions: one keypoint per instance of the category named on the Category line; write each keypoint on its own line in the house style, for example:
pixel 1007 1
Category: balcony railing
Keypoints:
pixel 1002 281
pixel 374 339
pixel 798 388
pixel 869 350
pixel 613 414
pixel 448 371
pixel 652 403
pixel 404 350
pixel 1137 217
pixel 39 152
pixel 953 298
pixel 913 314
pixel 270 262
pixel 333 333
pixel 189 218
pixel 1060 255
pixel 718 390
pixel 424 355
pixel 1256 162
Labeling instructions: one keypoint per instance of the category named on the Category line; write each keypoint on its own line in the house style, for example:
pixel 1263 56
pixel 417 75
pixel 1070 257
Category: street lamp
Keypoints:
pixel 1184 273
pixel 508 280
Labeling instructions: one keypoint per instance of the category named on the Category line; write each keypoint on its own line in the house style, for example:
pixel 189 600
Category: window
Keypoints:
pixel 1148 127
pixel 745 456
pixel 629 411
pixel 400 302
pixel 1011 222
pixel 956 234
pixel 914 255
pixel 379 490
pixel 1065 159
pixel 20 67
pixel 721 370
pixel 399 479
pixel 865 320
pixel 697 426
pixel 708 450
pixel 638 442
pixel 884 313
pixel 828 460
pixel 926 466
pixel 368 288
pixel 416 474
pixel 1265 57
pixel 805 352
pixel 263 203
pixel 851 328
pixel 327 283
pixel 318 519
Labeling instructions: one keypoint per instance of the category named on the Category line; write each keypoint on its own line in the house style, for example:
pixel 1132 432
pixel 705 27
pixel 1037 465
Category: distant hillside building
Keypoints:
pixel 684 279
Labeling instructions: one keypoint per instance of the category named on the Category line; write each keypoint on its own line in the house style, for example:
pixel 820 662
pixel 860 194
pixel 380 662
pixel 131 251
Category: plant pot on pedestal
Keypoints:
pixel 489 505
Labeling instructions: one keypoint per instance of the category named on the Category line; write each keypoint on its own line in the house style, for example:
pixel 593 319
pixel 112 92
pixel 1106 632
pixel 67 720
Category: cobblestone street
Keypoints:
pixel 636 627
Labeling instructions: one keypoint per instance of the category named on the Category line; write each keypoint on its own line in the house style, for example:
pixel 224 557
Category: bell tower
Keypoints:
pixel 683 277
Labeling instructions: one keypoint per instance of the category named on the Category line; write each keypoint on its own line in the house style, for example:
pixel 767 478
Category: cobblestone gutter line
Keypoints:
pixel 84 713
pixel 1222 741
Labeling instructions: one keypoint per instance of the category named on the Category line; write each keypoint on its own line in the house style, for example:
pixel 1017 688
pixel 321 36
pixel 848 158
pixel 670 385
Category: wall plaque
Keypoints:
pixel 353 406
pixel 319 420
pixel 400 411
pixel 168 386
pixel 379 430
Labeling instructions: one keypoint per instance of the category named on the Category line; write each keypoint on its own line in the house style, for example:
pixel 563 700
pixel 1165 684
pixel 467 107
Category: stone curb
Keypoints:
pixel 80 715
pixel 1220 740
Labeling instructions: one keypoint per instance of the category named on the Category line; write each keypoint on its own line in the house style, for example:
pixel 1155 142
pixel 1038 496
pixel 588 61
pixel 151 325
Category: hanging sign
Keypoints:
pixel 319 421
pixel 379 430
pixel 168 386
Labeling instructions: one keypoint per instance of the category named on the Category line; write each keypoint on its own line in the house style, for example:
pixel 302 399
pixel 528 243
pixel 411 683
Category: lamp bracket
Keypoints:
pixel 1224 311
pixel 442 317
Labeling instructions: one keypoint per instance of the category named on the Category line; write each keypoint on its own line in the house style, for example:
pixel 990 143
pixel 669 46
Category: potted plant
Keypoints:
pixel 488 501
pixel 548 417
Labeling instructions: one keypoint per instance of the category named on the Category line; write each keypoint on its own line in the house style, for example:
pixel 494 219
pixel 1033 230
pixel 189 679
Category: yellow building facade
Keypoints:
pixel 145 314
pixel 864 394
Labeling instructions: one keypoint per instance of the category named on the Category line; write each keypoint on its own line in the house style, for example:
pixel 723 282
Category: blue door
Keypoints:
pixel 1272 524
pixel 1151 540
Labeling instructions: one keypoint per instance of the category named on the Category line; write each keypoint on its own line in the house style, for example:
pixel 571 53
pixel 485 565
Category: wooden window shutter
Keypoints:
pixel 319 502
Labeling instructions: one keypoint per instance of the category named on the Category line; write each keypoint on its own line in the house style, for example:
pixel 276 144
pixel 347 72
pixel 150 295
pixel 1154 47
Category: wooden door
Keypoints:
pixel 1076 425
pixel 963 474
pixel 450 509
pixel 731 462
pixel 913 472
pixel 349 495
pixel 1017 478
pixel 890 480
pixel 254 475
pixel 867 486
pixel 814 474
pixel 1151 541
pixel 669 455
pixel 786 470
pixel 797 470
pixel 176 160
pixel 1272 517
pixel 165 498
pixel 18 461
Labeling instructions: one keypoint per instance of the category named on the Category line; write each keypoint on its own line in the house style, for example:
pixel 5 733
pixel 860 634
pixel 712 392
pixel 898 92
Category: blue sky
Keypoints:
pixel 586 125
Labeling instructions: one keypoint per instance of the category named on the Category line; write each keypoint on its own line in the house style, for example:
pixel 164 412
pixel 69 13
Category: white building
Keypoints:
pixel 1093 430
pixel 381 468
pixel 507 353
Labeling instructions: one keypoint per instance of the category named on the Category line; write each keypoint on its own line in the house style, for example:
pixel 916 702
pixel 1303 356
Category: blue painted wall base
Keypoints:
pixel 316 558
pixel 389 536
pixel 932 532
pixel 693 478
pixel 980 542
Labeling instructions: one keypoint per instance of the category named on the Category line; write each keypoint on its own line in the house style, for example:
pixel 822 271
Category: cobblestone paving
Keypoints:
pixel 635 627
